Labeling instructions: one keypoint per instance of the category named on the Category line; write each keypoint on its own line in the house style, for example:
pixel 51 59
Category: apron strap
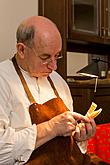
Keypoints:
pixel 29 95
pixel 53 86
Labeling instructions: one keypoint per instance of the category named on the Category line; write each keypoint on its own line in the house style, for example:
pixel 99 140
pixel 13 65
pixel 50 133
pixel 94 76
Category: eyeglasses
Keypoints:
pixel 47 60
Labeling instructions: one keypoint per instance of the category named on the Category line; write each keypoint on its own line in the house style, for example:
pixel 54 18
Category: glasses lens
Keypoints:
pixel 47 61
pixel 59 57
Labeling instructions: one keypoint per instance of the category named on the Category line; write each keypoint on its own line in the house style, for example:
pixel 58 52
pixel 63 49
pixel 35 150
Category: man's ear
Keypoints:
pixel 20 49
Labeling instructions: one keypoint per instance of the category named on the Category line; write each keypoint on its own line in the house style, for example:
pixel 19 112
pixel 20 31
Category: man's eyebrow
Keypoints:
pixel 47 54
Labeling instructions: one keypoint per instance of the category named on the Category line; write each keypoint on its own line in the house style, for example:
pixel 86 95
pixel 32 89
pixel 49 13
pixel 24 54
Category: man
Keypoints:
pixel 35 102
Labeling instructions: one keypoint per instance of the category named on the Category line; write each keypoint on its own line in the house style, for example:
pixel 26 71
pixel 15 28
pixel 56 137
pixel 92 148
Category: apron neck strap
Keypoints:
pixel 52 85
pixel 29 95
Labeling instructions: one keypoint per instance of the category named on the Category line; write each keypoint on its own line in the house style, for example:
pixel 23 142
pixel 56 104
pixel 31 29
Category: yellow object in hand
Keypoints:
pixel 92 113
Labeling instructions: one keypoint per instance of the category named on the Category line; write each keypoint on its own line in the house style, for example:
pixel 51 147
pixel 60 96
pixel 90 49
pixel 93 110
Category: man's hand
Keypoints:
pixel 61 125
pixel 84 131
pixel 65 123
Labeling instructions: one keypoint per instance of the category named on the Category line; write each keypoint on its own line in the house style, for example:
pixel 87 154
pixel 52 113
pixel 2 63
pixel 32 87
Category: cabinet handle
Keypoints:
pixel 107 33
pixel 102 32
pixel 106 9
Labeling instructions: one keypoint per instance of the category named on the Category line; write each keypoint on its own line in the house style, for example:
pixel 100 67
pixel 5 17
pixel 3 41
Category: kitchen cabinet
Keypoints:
pixel 89 20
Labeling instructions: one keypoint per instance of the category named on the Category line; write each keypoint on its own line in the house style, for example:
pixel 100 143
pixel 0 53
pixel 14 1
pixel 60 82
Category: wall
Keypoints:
pixel 12 12
pixel 75 62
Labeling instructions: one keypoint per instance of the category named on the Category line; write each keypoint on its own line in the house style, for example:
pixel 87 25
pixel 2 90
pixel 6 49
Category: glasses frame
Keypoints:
pixel 46 61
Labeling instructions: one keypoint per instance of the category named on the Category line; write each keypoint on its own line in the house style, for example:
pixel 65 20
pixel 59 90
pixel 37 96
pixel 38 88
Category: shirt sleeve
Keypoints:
pixel 15 145
pixel 82 146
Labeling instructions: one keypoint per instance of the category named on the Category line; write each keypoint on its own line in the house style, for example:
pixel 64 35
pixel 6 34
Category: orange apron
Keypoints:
pixel 60 150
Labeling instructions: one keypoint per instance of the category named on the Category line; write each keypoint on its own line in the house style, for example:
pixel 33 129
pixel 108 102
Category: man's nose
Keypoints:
pixel 52 64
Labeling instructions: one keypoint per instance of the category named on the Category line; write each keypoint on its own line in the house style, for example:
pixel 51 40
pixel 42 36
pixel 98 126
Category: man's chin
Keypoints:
pixel 45 74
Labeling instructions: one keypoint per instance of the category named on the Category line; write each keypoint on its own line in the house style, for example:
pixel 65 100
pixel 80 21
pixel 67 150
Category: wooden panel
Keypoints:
pixel 57 12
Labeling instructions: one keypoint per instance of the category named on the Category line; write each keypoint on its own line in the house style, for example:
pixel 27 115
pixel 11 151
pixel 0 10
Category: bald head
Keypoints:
pixel 37 30
pixel 38 40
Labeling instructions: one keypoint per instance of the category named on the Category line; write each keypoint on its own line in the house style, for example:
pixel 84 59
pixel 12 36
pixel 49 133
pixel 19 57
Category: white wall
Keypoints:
pixel 12 12
pixel 75 62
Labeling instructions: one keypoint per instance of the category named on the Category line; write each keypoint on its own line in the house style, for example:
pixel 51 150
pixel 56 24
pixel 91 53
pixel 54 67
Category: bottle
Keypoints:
pixel 103 74
pixel 108 74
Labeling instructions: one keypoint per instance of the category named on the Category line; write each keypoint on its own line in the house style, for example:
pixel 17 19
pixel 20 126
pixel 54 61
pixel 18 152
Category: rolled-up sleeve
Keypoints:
pixel 17 146
pixel 24 144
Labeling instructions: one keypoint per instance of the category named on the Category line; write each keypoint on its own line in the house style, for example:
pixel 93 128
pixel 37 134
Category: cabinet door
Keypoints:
pixel 89 20
pixel 108 17
pixel 85 16
pixel 84 20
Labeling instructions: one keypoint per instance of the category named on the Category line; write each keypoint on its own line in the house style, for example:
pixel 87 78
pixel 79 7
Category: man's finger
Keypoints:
pixel 78 117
